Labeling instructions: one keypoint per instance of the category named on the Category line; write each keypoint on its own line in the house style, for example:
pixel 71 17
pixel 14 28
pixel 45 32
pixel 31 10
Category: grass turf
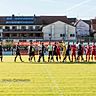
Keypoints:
pixel 50 79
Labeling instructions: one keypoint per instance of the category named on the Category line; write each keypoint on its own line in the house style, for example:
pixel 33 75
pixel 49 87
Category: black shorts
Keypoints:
pixel 32 54
pixel 18 53
pixel 79 53
pixel 67 53
pixel 55 53
pixel 0 53
pixel 41 54
pixel 50 53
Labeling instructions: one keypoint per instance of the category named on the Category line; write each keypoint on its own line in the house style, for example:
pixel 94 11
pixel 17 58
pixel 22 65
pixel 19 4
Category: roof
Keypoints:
pixel 72 20
pixel 86 21
pixel 51 19
pixel 59 23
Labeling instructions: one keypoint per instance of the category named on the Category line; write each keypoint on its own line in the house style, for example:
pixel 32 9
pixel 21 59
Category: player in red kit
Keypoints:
pixel 93 51
pixel 58 51
pixel 88 52
pixel 73 50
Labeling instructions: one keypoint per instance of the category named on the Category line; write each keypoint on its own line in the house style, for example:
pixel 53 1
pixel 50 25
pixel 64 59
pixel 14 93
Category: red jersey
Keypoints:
pixel 73 48
pixel 88 49
pixel 58 50
pixel 93 49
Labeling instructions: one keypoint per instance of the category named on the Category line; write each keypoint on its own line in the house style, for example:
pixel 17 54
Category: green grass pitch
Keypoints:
pixel 50 79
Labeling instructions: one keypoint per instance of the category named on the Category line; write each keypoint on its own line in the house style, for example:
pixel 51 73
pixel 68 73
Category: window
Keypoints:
pixel 23 28
pixel 49 34
pixel 30 28
pixel 14 28
pixel 31 35
pixel 6 35
pixel 62 35
pixel 7 28
pixel 0 27
pixel 72 35
pixel 24 35
pixel 37 28
pixel 37 35
pixel 14 35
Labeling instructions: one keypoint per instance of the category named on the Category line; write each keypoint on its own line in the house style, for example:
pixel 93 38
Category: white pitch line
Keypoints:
pixel 53 81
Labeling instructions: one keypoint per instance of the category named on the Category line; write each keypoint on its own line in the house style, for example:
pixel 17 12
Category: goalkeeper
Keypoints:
pixel 63 46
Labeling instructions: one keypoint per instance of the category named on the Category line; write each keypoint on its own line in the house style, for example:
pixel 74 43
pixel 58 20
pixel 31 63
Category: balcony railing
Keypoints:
pixel 22 29
pixel 22 37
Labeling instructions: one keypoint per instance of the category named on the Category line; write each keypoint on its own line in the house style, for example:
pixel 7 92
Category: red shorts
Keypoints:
pixel 74 53
pixel 93 53
pixel 88 53
pixel 58 53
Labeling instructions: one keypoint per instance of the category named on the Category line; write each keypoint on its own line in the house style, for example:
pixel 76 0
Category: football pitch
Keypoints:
pixel 46 79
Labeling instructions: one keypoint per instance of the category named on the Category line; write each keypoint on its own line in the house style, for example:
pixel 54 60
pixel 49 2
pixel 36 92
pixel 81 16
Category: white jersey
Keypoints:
pixel 28 49
pixel 40 47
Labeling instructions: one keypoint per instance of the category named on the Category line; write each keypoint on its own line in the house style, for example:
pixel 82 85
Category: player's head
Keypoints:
pixel 55 43
pixel 49 43
pixel 18 43
pixel 62 41
pixel 31 43
pixel 93 43
pixel 77 42
pixel 42 43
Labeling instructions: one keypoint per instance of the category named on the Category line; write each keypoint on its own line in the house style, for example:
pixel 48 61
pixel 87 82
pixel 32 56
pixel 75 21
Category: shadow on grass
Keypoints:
pixel 58 62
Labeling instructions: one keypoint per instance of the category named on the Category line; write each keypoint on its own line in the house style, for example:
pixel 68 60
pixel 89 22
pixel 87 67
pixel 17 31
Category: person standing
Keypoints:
pixel 1 55
pixel 73 50
pixel 63 46
pixel 67 52
pixel 50 51
pixel 58 52
pixel 80 52
pixel 18 53
pixel 93 51
pixel 41 52
pixel 88 49
pixel 55 51
pixel 31 52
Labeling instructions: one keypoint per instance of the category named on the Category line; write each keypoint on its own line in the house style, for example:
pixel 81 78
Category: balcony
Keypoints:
pixel 37 29
pixel 21 31
pixel 22 38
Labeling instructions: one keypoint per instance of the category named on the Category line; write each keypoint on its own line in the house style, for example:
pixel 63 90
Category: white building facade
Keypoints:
pixel 59 31
pixel 82 28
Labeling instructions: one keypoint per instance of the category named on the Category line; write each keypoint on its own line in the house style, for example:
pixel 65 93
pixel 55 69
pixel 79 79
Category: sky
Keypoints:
pixel 81 9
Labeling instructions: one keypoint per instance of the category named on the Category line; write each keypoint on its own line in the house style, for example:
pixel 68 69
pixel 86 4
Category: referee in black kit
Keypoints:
pixel 1 55
pixel 18 53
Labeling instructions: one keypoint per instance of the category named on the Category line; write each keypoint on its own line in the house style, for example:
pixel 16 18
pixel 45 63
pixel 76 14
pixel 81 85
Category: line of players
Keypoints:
pixel 73 52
